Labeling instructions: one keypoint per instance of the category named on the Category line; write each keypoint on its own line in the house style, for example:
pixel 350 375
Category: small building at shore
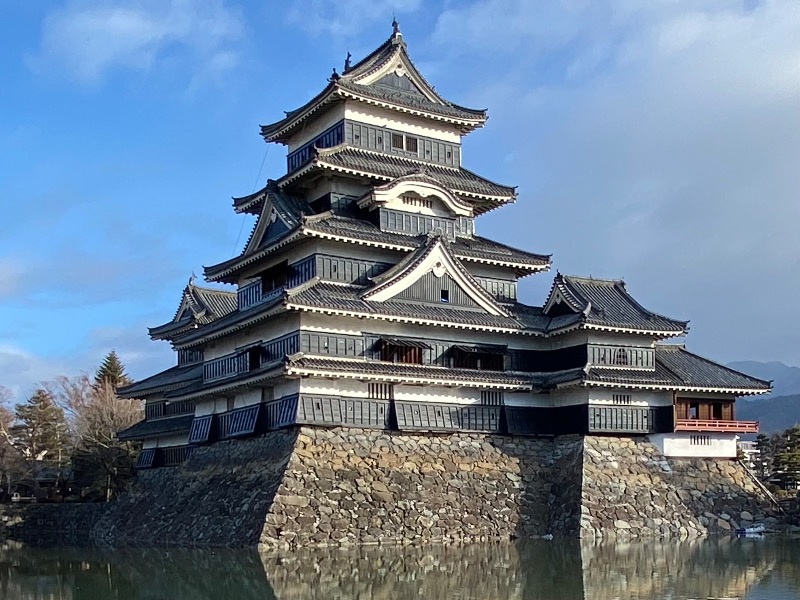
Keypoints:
pixel 365 297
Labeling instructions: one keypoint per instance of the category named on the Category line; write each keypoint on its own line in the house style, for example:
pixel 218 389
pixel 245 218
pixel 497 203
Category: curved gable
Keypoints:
pixel 419 186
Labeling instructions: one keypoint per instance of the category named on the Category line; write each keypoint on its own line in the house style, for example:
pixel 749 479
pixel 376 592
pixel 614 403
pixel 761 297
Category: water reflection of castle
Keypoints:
pixel 721 568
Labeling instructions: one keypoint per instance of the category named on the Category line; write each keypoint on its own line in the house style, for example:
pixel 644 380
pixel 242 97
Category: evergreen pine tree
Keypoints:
pixel 111 372
pixel 764 461
pixel 41 429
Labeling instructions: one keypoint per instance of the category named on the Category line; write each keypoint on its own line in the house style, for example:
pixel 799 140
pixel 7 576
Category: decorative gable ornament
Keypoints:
pixel 419 185
pixel 435 257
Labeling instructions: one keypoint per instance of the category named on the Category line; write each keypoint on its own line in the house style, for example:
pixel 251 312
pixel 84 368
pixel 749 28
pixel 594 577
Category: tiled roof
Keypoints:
pixel 676 368
pixel 607 303
pixel 417 102
pixel 155 427
pixel 347 298
pixel 198 306
pixel 399 371
pixel 172 378
pixel 386 167
pixel 345 85
pixel 696 371
pixel 291 207
pixel 476 247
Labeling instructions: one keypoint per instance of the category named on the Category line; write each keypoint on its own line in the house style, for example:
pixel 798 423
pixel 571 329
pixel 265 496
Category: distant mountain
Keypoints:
pixel 774 413
pixel 785 379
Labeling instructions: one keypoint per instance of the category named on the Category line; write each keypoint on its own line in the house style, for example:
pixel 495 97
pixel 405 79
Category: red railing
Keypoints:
pixel 716 425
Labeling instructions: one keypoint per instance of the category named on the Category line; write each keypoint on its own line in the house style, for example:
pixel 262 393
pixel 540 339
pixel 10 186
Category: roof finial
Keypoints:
pixel 192 278
pixel 395 25
pixel 334 76
pixel 347 63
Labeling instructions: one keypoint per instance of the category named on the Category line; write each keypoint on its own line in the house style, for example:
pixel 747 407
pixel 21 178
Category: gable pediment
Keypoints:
pixel 426 275
pixel 271 225
pixel 417 193
pixel 400 73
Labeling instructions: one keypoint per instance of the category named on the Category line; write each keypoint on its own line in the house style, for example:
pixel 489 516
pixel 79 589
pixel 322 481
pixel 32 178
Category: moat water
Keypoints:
pixel 752 569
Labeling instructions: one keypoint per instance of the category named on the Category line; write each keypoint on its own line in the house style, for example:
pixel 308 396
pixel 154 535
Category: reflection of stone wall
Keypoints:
pixel 533 570
pixel 722 567
pixel 629 489
pixel 364 486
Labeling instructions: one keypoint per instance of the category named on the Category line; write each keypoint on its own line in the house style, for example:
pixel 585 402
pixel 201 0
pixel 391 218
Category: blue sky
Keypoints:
pixel 654 141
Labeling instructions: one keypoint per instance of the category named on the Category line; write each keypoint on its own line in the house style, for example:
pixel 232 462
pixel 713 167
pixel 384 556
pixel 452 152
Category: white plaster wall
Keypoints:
pixel 605 396
pixel 384 117
pixel 148 444
pixel 279 390
pixel 178 439
pixel 437 209
pixel 268 330
pixel 493 271
pixel 301 250
pixel 341 387
pixel 437 394
pixel 316 125
pixel 205 407
pixel 722 445
pixel 569 396
pixel 527 399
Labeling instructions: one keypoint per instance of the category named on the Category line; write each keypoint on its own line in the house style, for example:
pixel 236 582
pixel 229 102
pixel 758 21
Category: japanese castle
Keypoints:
pixel 364 297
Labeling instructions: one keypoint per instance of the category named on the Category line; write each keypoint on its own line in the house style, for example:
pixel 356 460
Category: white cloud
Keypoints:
pixel 350 17
pixel 21 371
pixel 90 37
pixel 656 141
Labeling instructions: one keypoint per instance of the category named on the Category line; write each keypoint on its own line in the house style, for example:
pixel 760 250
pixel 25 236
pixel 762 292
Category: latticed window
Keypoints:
pixel 621 399
pixel 381 391
pixel 621 357
pixel 491 398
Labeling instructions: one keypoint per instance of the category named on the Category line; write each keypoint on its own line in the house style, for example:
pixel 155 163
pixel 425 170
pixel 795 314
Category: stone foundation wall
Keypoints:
pixel 630 489
pixel 352 486
pixel 308 487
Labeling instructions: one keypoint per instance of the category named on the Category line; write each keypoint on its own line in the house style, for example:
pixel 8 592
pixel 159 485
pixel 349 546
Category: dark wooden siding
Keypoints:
pixel 621 356
pixel 503 290
pixel 301 271
pixel 331 345
pixel 348 270
pixel 630 419
pixel 415 224
pixel 310 409
pixel 333 136
pixel 369 137
pixel 147 459
pixel 202 430
pixel 239 422
pixel 429 288
pixel 425 416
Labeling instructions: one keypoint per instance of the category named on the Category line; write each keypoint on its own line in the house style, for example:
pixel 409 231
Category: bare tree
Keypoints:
pixel 12 462
pixel 95 415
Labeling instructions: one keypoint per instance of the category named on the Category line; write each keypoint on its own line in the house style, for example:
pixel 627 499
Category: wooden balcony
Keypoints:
pixel 716 425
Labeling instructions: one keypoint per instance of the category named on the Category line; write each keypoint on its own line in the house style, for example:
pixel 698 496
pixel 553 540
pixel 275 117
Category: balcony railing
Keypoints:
pixel 155 410
pixel 253 294
pixel 716 425
pixel 226 366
